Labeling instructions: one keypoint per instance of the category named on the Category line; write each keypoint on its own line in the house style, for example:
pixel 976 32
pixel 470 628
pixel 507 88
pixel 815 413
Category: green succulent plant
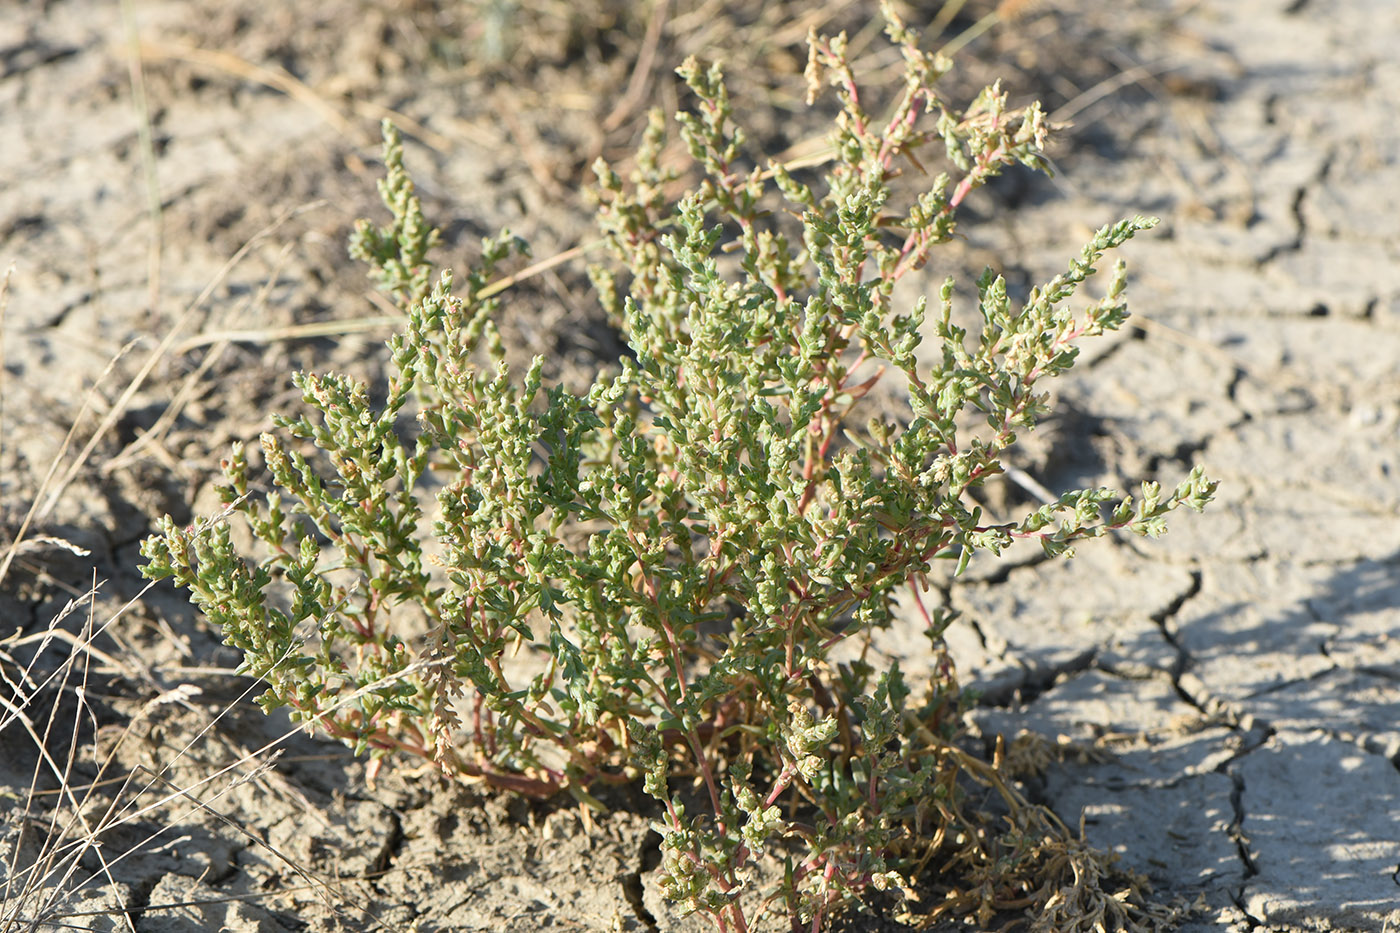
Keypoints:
pixel 669 577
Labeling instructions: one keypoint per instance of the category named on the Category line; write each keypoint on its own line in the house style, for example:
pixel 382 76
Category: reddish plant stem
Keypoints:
pixel 781 783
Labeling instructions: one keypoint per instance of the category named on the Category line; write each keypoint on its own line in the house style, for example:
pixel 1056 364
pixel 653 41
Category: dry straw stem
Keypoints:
pixel 280 79
pixel 155 243
pixel 4 307
pixel 43 881
pixel 360 325
pixel 50 492
pixel 34 895
pixel 277 78
pixel 156 433
pixel 46 485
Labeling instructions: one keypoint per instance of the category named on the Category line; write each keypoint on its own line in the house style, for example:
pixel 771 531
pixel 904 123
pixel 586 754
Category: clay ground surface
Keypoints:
pixel 177 181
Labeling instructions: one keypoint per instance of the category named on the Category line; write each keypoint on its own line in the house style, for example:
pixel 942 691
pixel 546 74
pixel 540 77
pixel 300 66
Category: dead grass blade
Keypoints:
pixel 4 306
pixel 50 496
pixel 33 896
pixel 640 79
pixel 12 550
pixel 278 79
pixel 45 881
pixel 155 245
pixel 187 389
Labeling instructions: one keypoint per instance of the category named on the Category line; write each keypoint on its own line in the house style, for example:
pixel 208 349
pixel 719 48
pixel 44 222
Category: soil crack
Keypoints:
pixel 648 857
pixel 1161 617
pixel 1235 832
pixel 388 849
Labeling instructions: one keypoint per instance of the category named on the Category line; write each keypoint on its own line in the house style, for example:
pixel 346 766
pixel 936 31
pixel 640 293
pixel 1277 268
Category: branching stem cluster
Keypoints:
pixel 673 577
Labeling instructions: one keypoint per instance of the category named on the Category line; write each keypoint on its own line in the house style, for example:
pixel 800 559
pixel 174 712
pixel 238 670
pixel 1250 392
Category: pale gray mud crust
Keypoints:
pixel 1241 676
pixel 1220 707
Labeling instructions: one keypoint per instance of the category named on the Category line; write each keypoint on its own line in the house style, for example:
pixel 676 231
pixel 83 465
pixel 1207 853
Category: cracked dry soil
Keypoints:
pixel 1221 704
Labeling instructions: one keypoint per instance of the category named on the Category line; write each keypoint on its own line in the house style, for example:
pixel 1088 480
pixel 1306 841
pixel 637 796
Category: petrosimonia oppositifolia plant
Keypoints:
pixel 670 577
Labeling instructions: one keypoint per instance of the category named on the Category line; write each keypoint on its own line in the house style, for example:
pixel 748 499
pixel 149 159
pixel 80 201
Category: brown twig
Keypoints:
pixel 641 70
